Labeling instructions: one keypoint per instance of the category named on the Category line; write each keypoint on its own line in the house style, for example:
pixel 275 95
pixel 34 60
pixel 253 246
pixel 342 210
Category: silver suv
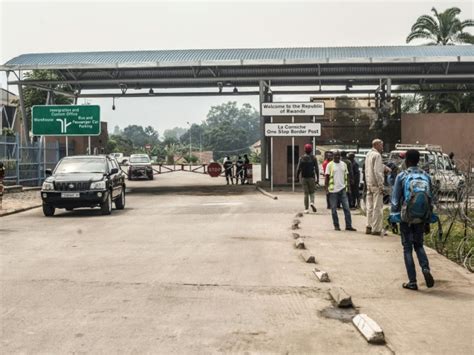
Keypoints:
pixel 446 179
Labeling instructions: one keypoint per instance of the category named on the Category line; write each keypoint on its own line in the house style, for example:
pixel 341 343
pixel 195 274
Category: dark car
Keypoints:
pixel 84 181
pixel 139 166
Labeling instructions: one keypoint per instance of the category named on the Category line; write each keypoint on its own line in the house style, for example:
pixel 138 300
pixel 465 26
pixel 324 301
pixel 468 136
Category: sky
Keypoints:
pixel 64 26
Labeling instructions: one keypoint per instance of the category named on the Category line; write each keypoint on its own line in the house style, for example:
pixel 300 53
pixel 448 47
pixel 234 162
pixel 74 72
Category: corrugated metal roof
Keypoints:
pixel 249 56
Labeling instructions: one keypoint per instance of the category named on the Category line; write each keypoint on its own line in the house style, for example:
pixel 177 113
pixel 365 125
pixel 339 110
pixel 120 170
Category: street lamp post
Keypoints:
pixel 189 145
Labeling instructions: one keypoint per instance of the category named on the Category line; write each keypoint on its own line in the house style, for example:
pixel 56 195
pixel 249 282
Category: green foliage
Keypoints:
pixel 33 96
pixel 190 159
pixel 174 133
pixel 120 144
pixel 228 129
pixel 140 136
pixel 439 102
pixel 8 132
pixel 445 28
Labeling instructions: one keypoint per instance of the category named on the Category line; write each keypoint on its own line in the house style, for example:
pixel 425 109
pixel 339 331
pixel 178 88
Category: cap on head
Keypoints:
pixel 308 148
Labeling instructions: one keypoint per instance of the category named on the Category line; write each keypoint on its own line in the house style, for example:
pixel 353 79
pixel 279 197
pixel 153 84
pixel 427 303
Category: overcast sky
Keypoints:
pixel 63 26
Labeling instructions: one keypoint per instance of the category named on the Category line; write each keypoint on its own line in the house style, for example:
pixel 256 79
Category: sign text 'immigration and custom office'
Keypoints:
pixel 292 129
pixel 292 108
pixel 66 120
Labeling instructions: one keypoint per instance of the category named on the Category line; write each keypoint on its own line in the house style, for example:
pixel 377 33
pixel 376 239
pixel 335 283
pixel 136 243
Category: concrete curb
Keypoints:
pixel 17 210
pixel 299 243
pixel 267 193
pixel 342 299
pixel 308 257
pixel 369 329
pixel 34 188
pixel 321 275
pixel 295 235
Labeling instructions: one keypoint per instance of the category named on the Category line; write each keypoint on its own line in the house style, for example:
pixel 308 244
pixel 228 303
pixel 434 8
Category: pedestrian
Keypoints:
pixel 228 167
pixel 246 168
pixel 374 177
pixel 309 170
pixel 355 197
pixel 336 182
pixel 412 201
pixel 346 160
pixel 329 157
pixel 239 164
pixel 2 176
pixel 451 158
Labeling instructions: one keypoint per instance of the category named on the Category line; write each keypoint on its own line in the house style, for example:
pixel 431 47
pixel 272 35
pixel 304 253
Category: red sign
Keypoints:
pixel 214 169
pixel 148 146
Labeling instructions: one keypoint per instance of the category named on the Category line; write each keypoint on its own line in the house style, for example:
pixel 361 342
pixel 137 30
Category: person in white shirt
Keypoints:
pixel 374 178
pixel 336 186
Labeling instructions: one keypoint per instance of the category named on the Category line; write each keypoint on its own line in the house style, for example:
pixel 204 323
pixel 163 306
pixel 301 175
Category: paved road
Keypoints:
pixel 187 268
pixel 192 266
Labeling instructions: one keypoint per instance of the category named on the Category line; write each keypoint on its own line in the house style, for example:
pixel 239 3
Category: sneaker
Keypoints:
pixel 337 228
pixel 410 286
pixel 313 207
pixel 352 229
pixel 368 230
pixel 306 211
pixel 428 278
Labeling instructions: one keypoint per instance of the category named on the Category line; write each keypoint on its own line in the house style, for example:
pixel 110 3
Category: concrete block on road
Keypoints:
pixel 295 235
pixel 295 226
pixel 299 215
pixel 299 243
pixel 341 297
pixel 307 257
pixel 369 329
pixel 296 221
pixel 321 275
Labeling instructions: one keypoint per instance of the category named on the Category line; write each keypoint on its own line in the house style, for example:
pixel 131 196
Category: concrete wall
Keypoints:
pixel 453 131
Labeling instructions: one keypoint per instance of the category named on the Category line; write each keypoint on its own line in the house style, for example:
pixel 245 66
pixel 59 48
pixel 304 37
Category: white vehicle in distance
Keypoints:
pixel 446 180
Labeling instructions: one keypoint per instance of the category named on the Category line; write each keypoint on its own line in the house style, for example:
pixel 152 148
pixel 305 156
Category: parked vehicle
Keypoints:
pixel 84 181
pixel 139 166
pixel 121 159
pixel 446 180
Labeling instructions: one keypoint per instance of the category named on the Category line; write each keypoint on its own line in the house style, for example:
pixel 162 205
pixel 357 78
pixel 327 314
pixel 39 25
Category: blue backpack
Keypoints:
pixel 417 195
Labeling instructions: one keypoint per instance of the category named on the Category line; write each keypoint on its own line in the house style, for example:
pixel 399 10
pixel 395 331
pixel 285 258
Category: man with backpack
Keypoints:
pixel 309 170
pixel 412 206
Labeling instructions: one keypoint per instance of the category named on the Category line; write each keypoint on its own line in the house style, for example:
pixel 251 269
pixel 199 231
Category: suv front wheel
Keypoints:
pixel 106 206
pixel 120 201
pixel 48 210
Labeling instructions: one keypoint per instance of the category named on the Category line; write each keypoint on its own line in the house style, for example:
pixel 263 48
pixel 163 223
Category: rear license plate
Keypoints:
pixel 70 195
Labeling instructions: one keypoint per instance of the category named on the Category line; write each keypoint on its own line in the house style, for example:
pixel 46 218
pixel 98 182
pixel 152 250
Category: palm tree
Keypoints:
pixel 444 28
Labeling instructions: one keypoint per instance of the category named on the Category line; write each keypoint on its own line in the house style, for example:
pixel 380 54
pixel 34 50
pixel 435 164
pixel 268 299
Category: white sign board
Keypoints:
pixel 292 129
pixel 292 108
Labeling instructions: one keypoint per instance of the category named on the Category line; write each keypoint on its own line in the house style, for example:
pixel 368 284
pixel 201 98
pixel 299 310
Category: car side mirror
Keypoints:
pixel 114 171
pixel 48 172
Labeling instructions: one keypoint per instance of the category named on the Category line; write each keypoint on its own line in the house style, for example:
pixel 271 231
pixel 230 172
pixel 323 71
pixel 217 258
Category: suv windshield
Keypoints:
pixel 81 165
pixel 140 159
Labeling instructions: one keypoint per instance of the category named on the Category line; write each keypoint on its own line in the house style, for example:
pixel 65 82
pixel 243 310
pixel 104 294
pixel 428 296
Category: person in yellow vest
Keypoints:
pixel 336 186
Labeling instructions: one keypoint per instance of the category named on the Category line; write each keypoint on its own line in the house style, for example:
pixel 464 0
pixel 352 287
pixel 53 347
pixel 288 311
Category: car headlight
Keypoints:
pixel 98 185
pixel 47 186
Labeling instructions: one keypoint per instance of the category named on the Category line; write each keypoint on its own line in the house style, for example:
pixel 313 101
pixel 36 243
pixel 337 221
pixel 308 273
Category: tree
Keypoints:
pixel 444 28
pixel 175 133
pixel 33 96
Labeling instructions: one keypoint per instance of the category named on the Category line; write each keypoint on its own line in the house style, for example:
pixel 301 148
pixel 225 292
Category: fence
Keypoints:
pixel 454 236
pixel 25 164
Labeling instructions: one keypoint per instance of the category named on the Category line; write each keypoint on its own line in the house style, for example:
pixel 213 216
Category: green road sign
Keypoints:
pixel 66 120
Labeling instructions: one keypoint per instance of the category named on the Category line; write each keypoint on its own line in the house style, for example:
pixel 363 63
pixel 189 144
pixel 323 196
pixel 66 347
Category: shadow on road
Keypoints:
pixel 193 190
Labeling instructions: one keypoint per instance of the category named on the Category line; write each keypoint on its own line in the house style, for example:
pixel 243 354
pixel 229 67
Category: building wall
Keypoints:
pixel 453 131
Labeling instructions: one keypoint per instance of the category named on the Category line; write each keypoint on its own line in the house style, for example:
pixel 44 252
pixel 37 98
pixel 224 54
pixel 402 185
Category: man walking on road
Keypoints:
pixel 309 170
pixel 354 200
pixel 412 202
pixel 228 166
pixel 336 183
pixel 374 177
pixel 329 158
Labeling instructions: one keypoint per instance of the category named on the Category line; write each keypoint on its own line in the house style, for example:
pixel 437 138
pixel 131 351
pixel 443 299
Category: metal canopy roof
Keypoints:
pixel 199 68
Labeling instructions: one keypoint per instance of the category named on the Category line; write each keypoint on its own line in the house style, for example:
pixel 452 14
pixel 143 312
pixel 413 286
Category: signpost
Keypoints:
pixel 214 169
pixel 66 120
pixel 292 129
pixel 315 108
